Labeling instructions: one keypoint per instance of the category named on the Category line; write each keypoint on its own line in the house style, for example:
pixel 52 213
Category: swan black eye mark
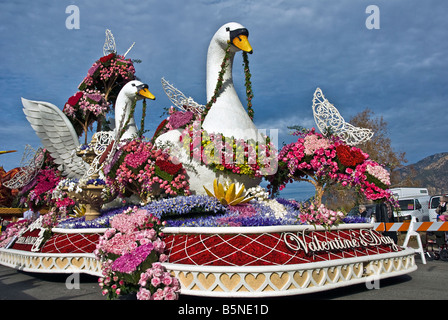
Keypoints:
pixel 237 33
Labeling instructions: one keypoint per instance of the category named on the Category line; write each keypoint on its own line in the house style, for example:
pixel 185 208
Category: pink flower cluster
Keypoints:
pixel 128 230
pixel 316 214
pixel 180 118
pixel 119 67
pixel 64 203
pixel 50 219
pixel 330 160
pixel 12 230
pixel 131 220
pixel 301 158
pixel 166 286
pixel 131 252
pixel 136 171
pixel 378 172
pixel 314 142
pixel 112 66
pixel 46 181
pixel 89 102
pixel 39 191
pixel 374 181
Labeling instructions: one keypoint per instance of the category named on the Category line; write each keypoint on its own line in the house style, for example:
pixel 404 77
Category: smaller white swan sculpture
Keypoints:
pixel 59 137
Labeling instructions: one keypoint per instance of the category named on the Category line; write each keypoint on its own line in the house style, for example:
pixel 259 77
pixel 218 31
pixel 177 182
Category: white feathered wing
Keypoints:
pixel 57 135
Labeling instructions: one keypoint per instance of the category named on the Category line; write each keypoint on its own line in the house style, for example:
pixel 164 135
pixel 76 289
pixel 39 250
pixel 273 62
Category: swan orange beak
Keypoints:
pixel 145 93
pixel 242 42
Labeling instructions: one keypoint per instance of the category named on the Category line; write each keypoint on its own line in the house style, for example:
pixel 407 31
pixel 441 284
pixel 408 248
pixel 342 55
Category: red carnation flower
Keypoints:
pixel 168 166
pixel 159 129
pixel 73 100
pixel 107 58
pixel 349 157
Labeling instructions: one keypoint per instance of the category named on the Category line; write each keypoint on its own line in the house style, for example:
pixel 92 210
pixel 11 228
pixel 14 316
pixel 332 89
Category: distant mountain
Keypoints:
pixel 430 172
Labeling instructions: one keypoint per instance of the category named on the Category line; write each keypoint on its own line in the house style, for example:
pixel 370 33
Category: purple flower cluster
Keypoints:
pixel 129 262
pixel 96 182
pixel 355 219
pixel 103 221
pixel 180 118
pixel 184 205
pixel 253 214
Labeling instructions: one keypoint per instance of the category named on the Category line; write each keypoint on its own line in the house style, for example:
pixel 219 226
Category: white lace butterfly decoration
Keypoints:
pixel 109 44
pixel 327 116
pixel 30 165
pixel 180 100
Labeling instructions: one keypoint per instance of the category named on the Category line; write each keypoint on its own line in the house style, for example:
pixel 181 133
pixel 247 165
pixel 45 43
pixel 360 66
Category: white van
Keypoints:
pixel 409 192
pixel 413 203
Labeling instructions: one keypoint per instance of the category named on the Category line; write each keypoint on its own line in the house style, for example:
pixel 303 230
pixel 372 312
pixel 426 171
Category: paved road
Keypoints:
pixel 429 282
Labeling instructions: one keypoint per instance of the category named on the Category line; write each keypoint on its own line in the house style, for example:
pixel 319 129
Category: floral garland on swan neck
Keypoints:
pixel 131 115
pixel 219 83
pixel 248 84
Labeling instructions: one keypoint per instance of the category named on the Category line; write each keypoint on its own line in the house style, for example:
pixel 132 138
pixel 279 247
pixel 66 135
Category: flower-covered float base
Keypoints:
pixel 50 262
pixel 236 261
pixel 65 251
pixel 281 260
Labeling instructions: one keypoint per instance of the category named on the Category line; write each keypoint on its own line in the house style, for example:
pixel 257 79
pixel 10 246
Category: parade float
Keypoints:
pixel 183 211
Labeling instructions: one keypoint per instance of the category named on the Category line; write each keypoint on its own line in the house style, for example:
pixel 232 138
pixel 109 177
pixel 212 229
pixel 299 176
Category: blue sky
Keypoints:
pixel 397 71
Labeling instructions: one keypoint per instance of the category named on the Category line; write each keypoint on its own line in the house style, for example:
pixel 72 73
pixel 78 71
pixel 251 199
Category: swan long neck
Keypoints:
pixel 122 110
pixel 227 115
pixel 215 57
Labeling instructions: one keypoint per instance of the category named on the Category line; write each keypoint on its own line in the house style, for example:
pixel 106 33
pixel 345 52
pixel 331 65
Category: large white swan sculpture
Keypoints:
pixel 227 115
pixel 59 137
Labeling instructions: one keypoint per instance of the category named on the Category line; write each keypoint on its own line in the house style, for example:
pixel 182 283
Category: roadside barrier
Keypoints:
pixel 412 229
pixel 418 226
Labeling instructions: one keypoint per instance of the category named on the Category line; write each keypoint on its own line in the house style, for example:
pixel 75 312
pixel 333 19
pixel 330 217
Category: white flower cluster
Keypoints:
pixel 262 195
pixel 258 193
pixel 278 208
pixel 71 184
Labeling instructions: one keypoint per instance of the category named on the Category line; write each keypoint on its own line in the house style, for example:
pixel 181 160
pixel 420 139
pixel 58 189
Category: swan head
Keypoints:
pixel 137 89
pixel 236 34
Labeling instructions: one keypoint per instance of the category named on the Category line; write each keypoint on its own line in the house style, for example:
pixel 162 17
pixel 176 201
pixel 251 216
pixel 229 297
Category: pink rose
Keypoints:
pixel 156 281
pixel 170 294
pixel 167 279
pixel 144 294
pixel 143 278
pixel 158 295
